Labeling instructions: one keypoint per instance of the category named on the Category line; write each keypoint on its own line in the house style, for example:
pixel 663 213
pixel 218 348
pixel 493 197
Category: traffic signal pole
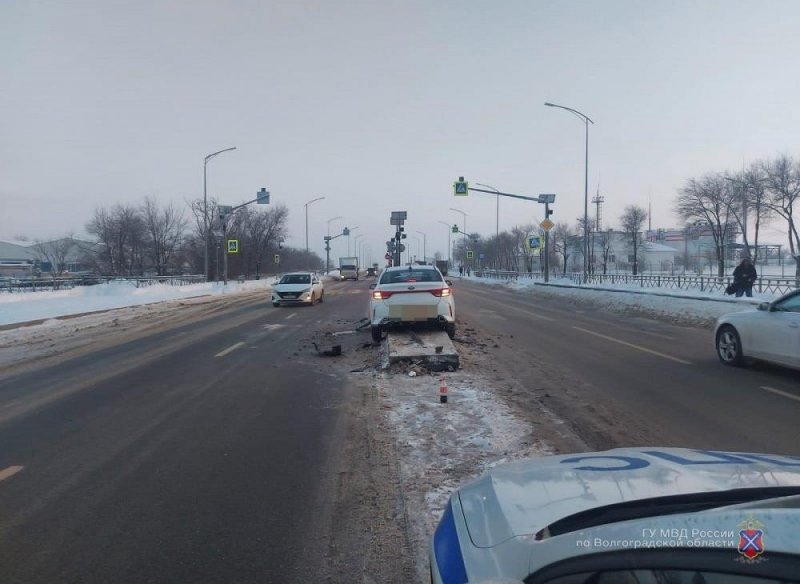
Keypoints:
pixel 461 188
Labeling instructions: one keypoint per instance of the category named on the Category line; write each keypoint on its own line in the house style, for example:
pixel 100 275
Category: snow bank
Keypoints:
pixel 28 306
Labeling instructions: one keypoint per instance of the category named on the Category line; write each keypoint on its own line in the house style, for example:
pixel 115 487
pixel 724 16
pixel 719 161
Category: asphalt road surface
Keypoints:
pixel 652 382
pixel 202 453
pixel 220 449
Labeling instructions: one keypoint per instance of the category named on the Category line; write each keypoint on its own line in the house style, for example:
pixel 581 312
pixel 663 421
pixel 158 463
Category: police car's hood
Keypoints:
pixel 524 497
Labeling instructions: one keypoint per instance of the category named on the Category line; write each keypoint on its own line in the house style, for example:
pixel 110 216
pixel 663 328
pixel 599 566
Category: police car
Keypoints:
pixel 644 515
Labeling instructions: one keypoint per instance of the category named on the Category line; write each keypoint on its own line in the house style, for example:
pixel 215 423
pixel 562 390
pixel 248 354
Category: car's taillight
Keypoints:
pixel 441 292
pixel 379 295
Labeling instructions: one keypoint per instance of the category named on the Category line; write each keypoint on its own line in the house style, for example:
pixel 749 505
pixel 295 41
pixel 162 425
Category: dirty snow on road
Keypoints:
pixel 443 446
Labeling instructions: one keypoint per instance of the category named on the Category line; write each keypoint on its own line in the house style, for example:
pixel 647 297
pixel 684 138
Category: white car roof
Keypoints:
pixel 522 498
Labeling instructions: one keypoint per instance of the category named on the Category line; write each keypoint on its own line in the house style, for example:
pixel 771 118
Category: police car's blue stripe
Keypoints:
pixel 447 550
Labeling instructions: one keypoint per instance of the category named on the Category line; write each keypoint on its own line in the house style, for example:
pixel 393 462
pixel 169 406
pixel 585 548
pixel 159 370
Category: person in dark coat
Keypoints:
pixel 744 276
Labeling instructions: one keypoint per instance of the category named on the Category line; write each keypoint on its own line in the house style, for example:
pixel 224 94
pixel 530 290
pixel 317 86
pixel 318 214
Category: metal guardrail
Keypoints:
pixel 685 282
pixel 43 284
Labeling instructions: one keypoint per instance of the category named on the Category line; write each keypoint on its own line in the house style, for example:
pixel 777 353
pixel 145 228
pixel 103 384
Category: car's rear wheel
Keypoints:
pixel 450 329
pixel 729 346
pixel 276 304
pixel 377 333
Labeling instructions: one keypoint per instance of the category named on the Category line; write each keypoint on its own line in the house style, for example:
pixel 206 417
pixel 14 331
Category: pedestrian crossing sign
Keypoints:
pixel 461 187
pixel 233 246
pixel 470 254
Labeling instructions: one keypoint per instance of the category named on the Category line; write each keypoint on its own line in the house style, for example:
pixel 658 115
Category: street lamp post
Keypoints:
pixel 348 239
pixel 306 206
pixel 424 246
pixel 330 220
pixel 355 246
pixel 586 121
pixel 205 204
pixel 449 231
pixel 497 214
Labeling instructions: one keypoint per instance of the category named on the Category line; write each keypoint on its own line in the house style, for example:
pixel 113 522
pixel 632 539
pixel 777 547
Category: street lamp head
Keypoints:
pixel 548 104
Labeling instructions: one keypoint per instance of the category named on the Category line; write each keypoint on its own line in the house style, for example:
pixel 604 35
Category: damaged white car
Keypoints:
pixel 411 294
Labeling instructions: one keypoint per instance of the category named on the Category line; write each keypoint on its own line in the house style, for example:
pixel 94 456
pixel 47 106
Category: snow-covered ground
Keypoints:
pixel 672 303
pixel 29 306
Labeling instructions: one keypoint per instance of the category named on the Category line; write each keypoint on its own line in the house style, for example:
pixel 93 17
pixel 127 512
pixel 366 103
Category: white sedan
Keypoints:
pixel 770 333
pixel 298 288
pixel 411 294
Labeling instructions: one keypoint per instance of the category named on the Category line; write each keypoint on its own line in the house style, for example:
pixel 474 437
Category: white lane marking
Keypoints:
pixel 632 346
pixel 230 349
pixel 9 472
pixel 274 327
pixel 291 315
pixel 779 392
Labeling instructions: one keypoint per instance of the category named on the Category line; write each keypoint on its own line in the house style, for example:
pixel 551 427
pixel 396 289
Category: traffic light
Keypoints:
pixel 549 212
pixel 454 229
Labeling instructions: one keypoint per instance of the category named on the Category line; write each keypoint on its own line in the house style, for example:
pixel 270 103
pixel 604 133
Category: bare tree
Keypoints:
pixel 119 233
pixel 560 237
pixel 711 199
pixel 782 181
pixel 55 253
pixel 163 229
pixel 632 220
pixel 756 198
pixel 605 241
pixel 259 232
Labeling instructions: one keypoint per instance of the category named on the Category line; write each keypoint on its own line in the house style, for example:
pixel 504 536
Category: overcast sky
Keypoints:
pixel 380 105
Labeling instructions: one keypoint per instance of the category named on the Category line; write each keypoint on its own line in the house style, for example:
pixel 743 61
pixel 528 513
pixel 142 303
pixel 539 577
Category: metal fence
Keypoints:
pixel 42 284
pixel 687 282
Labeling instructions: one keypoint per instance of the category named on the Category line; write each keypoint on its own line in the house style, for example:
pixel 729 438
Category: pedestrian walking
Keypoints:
pixel 461 270
pixel 744 276
pixel 469 271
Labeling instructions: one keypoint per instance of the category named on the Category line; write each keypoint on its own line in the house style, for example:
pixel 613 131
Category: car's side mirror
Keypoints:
pixel 764 306
pixel 449 282
pixel 372 286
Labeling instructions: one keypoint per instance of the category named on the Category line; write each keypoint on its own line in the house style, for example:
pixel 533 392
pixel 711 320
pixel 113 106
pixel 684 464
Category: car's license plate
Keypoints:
pixel 290 295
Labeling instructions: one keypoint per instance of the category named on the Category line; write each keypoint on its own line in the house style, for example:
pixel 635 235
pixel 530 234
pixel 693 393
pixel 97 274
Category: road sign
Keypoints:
pixel 224 211
pixel 534 242
pixel 482 256
pixel 402 248
pixel 262 197
pixel 461 187
pixel 233 246
pixel 277 258
pixel 547 198
pixel 399 215
pixel 470 254
pixel 547 224
pixel 394 221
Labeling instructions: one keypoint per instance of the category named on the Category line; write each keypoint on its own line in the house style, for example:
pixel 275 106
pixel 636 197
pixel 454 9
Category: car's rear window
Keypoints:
pixel 296 279
pixel 401 276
